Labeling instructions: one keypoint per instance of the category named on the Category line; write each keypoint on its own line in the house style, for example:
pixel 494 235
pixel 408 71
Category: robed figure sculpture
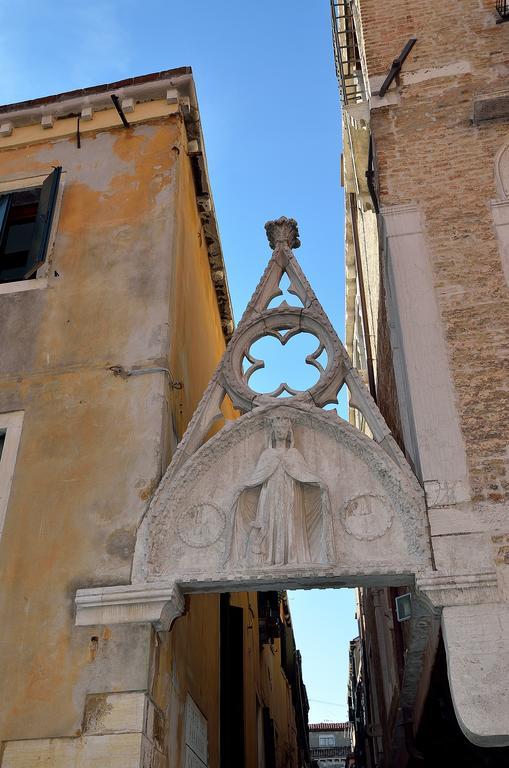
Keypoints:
pixel 281 515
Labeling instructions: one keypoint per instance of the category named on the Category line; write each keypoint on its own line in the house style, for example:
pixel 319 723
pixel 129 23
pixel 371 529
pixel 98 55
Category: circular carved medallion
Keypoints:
pixel 201 525
pixel 366 517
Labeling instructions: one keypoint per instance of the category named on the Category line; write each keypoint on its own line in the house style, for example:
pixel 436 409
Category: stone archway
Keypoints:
pixel 290 495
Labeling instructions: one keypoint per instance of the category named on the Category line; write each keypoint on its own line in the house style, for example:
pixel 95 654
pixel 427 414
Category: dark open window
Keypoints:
pixel 25 225
pixel 2 441
pixel 231 685
pixel 269 621
pixel 269 739
pixel 503 10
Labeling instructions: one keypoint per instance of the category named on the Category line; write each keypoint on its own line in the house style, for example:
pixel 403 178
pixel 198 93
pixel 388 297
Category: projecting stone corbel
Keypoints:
pixel 6 128
pixel 441 590
pixel 475 628
pixel 157 603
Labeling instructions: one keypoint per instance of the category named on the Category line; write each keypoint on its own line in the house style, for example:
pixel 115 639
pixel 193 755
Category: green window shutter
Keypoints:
pixel 5 204
pixel 43 221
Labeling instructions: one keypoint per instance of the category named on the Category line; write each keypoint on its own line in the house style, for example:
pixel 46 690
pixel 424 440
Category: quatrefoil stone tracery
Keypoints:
pixel 282 323
pixel 257 364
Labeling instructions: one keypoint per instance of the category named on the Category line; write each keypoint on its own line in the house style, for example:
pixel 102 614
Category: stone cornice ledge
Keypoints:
pixel 459 589
pixel 404 219
pixel 157 603
pixel 500 211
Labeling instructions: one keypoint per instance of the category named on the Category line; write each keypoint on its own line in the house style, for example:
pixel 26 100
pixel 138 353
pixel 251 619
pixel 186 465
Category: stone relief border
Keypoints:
pixel 203 527
pixel 501 177
pixel 401 487
pixel 349 511
pixel 500 206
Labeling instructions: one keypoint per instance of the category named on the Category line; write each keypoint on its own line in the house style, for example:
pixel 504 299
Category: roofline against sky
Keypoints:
pixel 175 86
pixel 80 93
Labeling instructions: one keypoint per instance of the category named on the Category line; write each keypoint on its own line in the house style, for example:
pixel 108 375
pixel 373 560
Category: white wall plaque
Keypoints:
pixel 196 736
pixel 190 759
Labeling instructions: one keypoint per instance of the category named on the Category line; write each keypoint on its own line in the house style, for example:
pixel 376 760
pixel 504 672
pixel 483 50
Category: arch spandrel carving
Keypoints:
pixel 283 322
pixel 324 503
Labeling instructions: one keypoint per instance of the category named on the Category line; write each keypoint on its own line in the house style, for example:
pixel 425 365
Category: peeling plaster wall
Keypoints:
pixel 94 444
pixel 195 324
pixel 133 290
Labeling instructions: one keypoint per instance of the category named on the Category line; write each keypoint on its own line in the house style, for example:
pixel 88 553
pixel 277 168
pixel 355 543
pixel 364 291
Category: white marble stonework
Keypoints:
pixel 500 207
pixel 502 172
pixel 439 450
pixel 291 495
pixel 261 508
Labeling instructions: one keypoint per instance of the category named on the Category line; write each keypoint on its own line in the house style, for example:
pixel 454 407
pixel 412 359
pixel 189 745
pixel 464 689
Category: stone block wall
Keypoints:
pixel 430 152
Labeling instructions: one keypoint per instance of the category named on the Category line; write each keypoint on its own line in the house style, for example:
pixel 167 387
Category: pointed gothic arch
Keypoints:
pixel 291 495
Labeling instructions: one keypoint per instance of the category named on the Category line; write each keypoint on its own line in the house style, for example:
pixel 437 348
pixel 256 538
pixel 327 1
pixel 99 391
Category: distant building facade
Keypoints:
pixel 357 701
pixel 426 176
pixel 330 744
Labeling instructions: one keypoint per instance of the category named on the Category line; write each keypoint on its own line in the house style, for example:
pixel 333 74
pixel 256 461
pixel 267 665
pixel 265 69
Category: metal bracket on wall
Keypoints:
pixel 396 66
pixel 118 107
pixel 370 178
pixel 125 373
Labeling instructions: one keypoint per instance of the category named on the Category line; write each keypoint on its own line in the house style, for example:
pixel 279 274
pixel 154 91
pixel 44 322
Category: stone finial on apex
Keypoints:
pixel 283 231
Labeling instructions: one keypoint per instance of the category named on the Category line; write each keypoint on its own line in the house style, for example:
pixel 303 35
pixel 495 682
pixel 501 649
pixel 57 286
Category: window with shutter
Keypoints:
pixel 25 225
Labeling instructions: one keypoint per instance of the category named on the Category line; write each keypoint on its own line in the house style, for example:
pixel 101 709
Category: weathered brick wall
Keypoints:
pixel 429 152
pixel 446 31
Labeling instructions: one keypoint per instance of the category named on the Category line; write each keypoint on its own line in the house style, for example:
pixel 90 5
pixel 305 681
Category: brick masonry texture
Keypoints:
pixel 429 152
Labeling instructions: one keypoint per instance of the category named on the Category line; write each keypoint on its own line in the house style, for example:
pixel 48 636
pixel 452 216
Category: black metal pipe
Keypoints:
pixel 119 109
pixel 370 178
pixel 396 66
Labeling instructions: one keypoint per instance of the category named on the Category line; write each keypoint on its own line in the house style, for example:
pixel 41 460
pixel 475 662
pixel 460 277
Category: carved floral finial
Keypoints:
pixel 283 231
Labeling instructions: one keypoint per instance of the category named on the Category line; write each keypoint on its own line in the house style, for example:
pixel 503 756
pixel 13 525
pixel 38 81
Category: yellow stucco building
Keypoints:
pixel 114 310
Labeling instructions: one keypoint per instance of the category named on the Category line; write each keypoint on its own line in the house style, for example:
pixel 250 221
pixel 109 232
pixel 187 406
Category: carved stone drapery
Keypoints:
pixel 282 514
pixel 366 509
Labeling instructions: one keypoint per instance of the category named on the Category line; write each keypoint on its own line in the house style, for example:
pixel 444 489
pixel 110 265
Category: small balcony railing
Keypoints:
pixel 324 753
pixel 503 10
pixel 346 52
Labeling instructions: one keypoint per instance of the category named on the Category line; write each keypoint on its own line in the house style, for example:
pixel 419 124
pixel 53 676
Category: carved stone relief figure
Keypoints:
pixel 282 513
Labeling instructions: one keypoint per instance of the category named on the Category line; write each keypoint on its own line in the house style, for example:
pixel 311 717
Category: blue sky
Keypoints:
pixel 269 104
